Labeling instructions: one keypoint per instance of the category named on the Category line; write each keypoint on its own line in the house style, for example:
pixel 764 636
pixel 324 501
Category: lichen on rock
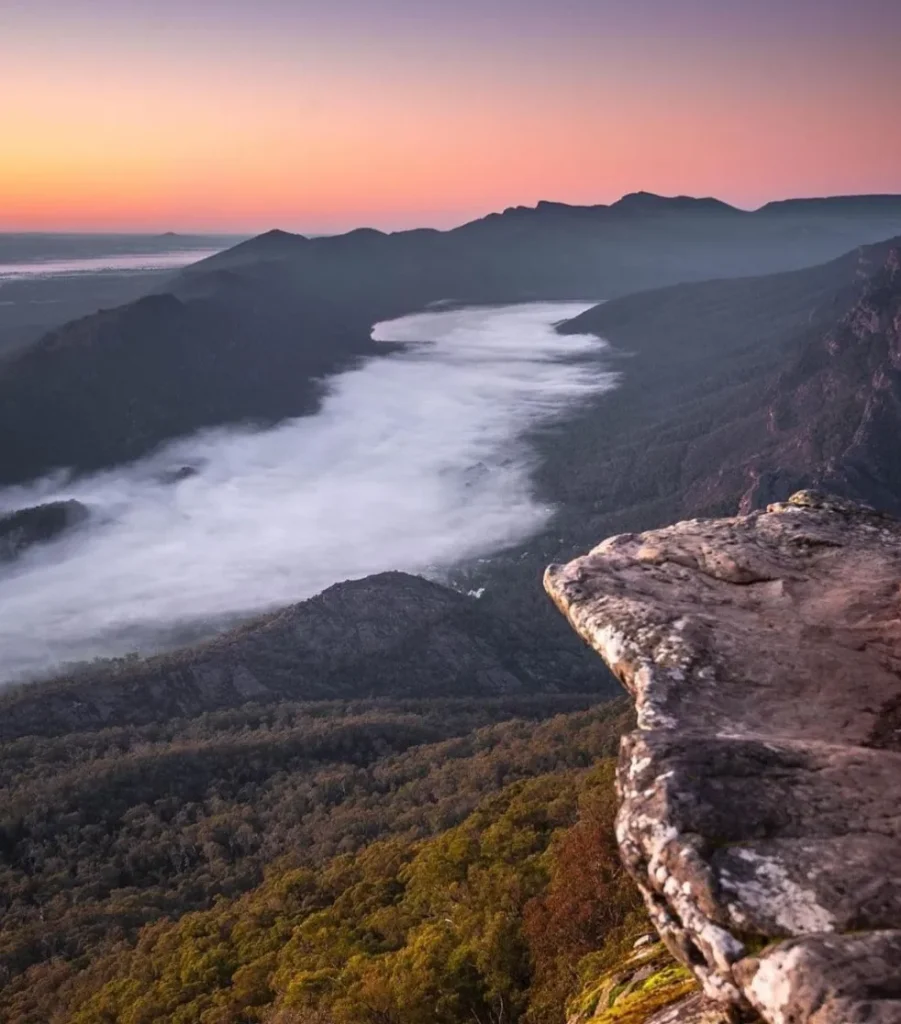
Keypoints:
pixel 760 811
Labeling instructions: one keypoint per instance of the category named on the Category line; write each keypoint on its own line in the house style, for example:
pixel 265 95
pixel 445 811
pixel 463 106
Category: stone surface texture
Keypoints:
pixel 761 794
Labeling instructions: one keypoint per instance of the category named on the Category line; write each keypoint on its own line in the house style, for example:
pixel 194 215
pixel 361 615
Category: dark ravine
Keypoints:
pixel 247 335
pixel 759 812
pixel 390 635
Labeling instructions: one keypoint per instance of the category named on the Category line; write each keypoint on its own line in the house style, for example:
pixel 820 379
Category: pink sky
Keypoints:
pixel 319 117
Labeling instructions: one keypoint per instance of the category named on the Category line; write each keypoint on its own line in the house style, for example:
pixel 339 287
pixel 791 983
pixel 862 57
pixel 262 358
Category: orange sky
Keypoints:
pixel 124 120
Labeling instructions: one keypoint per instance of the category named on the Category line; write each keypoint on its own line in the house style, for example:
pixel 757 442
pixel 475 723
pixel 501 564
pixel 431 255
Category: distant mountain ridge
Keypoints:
pixel 876 204
pixel 249 334
pixel 277 241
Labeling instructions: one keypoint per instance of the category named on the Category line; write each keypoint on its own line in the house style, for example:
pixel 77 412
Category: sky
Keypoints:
pixel 323 115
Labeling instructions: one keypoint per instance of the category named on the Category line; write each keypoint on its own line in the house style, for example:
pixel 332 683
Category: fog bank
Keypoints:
pixel 415 461
pixel 108 263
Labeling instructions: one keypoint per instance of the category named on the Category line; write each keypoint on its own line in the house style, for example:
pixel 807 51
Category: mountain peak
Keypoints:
pixel 275 243
pixel 642 198
pixel 651 202
pixel 277 235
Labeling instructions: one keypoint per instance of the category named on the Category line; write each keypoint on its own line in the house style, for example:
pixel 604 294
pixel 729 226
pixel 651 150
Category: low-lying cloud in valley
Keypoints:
pixel 108 263
pixel 415 461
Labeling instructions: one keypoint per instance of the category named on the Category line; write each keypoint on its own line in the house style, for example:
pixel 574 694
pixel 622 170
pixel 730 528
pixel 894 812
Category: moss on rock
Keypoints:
pixel 645 981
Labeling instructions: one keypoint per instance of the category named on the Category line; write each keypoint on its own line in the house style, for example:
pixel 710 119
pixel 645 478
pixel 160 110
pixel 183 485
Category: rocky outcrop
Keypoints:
pixel 760 811
pixel 25 527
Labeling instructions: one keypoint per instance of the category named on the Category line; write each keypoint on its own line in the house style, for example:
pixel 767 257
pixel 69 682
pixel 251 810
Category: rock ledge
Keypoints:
pixel 761 794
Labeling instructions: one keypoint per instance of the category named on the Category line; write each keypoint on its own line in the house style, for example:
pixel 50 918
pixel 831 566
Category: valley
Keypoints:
pixel 450 512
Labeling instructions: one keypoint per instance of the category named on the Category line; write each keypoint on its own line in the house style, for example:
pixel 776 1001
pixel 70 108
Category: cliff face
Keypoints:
pixel 759 796
pixel 837 408
pixel 743 391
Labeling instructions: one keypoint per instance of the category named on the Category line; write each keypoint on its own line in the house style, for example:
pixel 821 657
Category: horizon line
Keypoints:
pixel 248 232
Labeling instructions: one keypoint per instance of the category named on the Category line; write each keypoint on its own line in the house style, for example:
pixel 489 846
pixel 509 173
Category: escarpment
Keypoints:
pixel 760 812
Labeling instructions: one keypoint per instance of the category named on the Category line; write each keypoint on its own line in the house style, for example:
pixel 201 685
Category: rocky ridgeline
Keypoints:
pixel 761 794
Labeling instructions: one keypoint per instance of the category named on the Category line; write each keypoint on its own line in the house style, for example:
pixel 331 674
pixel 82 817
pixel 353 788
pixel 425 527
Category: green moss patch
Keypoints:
pixel 645 981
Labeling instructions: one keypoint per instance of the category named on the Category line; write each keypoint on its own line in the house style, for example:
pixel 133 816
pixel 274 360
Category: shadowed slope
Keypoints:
pixel 387 635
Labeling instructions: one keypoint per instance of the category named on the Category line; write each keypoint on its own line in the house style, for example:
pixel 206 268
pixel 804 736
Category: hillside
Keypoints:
pixel 733 393
pixel 391 635
pixel 105 832
pixel 49 279
pixel 742 391
pixel 247 335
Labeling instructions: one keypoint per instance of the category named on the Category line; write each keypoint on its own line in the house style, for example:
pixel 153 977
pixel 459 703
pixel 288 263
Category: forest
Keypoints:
pixel 373 861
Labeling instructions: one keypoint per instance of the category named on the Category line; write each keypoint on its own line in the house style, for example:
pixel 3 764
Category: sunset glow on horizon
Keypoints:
pixel 240 116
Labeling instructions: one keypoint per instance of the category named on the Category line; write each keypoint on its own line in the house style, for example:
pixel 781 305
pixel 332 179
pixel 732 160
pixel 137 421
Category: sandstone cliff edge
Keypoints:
pixel 760 812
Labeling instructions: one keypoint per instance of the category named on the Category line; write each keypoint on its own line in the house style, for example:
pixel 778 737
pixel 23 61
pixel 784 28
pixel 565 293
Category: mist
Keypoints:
pixel 107 263
pixel 416 460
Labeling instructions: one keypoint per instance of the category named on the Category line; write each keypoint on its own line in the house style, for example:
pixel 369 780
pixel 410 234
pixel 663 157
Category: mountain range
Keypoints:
pixel 247 335
pixel 732 393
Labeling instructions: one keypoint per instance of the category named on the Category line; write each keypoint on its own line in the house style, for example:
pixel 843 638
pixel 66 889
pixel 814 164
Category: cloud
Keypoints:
pixel 415 461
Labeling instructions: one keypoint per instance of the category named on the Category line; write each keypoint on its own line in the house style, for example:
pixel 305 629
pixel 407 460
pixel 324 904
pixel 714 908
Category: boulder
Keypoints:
pixel 760 812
